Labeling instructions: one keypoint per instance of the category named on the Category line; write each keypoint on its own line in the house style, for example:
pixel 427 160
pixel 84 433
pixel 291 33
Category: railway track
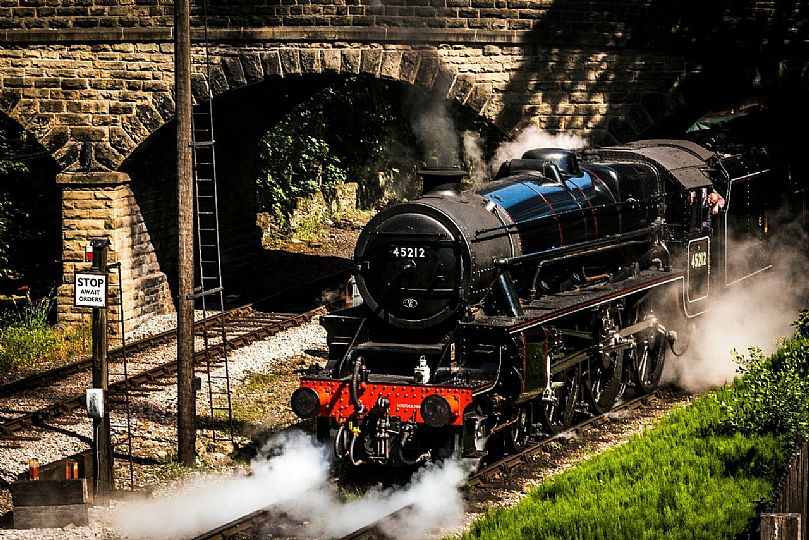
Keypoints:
pixel 508 463
pixel 244 326
pixel 243 527
pixel 56 374
pixel 274 523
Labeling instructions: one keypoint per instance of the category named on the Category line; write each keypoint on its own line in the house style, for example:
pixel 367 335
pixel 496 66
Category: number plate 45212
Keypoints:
pixel 409 252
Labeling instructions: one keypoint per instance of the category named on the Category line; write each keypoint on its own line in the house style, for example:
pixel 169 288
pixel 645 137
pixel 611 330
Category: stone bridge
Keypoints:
pixel 99 72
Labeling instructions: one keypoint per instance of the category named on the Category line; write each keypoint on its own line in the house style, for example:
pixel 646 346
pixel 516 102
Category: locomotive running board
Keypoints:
pixel 566 303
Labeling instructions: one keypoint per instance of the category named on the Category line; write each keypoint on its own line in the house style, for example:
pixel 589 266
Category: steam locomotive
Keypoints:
pixel 493 313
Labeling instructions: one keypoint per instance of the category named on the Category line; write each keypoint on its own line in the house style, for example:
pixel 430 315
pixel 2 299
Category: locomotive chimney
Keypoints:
pixel 444 181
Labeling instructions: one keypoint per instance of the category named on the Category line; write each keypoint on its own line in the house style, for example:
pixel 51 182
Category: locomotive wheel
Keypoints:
pixel 648 361
pixel 557 415
pixel 649 353
pixel 520 431
pixel 602 383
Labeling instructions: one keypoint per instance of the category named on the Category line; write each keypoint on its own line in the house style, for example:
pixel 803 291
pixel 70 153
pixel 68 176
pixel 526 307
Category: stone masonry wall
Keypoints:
pixel 74 72
pixel 595 22
pixel 103 206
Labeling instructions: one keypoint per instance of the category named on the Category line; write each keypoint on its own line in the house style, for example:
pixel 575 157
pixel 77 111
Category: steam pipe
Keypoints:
pixel 564 257
pixel 355 400
pixel 510 300
pixel 584 248
pixel 400 450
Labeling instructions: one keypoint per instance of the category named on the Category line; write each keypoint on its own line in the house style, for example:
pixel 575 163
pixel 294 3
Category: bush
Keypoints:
pixel 773 394
pixel 21 347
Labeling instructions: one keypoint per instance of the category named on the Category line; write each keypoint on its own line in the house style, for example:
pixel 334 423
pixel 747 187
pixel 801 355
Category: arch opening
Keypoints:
pixel 30 206
pixel 242 120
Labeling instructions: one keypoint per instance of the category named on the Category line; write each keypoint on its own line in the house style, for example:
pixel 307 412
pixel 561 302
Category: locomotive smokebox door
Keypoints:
pixel 699 270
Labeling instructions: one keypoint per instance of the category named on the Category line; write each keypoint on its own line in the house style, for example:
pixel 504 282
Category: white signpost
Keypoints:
pixel 90 290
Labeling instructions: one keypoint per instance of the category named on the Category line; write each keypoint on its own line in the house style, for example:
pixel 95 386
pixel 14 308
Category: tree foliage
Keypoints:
pixel 12 216
pixel 29 222
pixel 357 130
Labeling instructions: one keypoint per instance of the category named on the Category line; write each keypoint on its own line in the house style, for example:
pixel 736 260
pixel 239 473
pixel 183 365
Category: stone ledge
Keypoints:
pixel 93 178
pixel 378 34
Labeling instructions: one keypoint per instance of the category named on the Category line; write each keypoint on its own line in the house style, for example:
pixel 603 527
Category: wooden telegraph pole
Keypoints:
pixel 102 443
pixel 186 401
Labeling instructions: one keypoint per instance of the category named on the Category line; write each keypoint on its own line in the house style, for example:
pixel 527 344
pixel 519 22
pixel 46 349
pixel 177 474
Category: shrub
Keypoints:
pixel 21 347
pixel 773 394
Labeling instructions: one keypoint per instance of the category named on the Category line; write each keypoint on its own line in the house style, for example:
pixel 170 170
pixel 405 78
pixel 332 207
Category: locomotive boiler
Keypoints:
pixel 496 312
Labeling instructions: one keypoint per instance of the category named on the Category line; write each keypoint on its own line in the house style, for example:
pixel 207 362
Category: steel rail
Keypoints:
pixel 239 526
pixel 152 375
pixel 163 338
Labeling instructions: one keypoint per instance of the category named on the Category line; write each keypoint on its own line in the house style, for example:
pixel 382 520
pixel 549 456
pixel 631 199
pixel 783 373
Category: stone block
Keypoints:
pixel 330 60
pixel 371 60
pixel 232 67
pixel 391 62
pixel 350 61
pixel 409 66
pixel 310 61
pixel 290 60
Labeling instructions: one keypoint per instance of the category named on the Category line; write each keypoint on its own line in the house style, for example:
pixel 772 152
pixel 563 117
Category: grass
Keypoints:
pixel 683 479
pixel 704 472
pixel 27 339
pixel 252 399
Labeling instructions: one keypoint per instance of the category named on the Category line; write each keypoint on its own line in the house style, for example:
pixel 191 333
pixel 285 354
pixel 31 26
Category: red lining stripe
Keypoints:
pixel 612 196
pixel 555 216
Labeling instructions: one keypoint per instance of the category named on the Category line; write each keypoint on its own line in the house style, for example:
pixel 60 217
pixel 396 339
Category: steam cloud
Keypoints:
pixel 528 139
pixel 754 313
pixel 435 129
pixel 291 474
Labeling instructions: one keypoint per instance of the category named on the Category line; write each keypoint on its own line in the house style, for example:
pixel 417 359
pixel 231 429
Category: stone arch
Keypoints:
pixel 116 120
pixel 233 68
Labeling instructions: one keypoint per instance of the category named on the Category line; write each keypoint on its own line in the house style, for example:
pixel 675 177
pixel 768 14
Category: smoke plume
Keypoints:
pixel 528 139
pixel 434 128
pixel 291 475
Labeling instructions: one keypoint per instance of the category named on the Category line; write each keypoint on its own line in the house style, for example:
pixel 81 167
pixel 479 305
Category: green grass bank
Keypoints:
pixel 705 471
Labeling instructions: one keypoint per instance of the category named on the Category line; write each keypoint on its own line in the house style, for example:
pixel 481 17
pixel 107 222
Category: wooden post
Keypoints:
pixel 780 526
pixel 104 481
pixel 186 401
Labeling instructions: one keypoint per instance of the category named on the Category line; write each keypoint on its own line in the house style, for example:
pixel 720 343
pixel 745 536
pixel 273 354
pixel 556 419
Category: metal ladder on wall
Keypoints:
pixel 210 292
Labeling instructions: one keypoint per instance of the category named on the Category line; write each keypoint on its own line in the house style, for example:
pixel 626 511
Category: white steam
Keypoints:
pixel 755 312
pixel 433 495
pixel 530 138
pixel 473 151
pixel 435 129
pixel 291 475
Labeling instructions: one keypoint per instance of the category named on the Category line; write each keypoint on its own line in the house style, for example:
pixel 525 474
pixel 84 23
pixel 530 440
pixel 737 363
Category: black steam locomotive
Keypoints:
pixel 508 308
